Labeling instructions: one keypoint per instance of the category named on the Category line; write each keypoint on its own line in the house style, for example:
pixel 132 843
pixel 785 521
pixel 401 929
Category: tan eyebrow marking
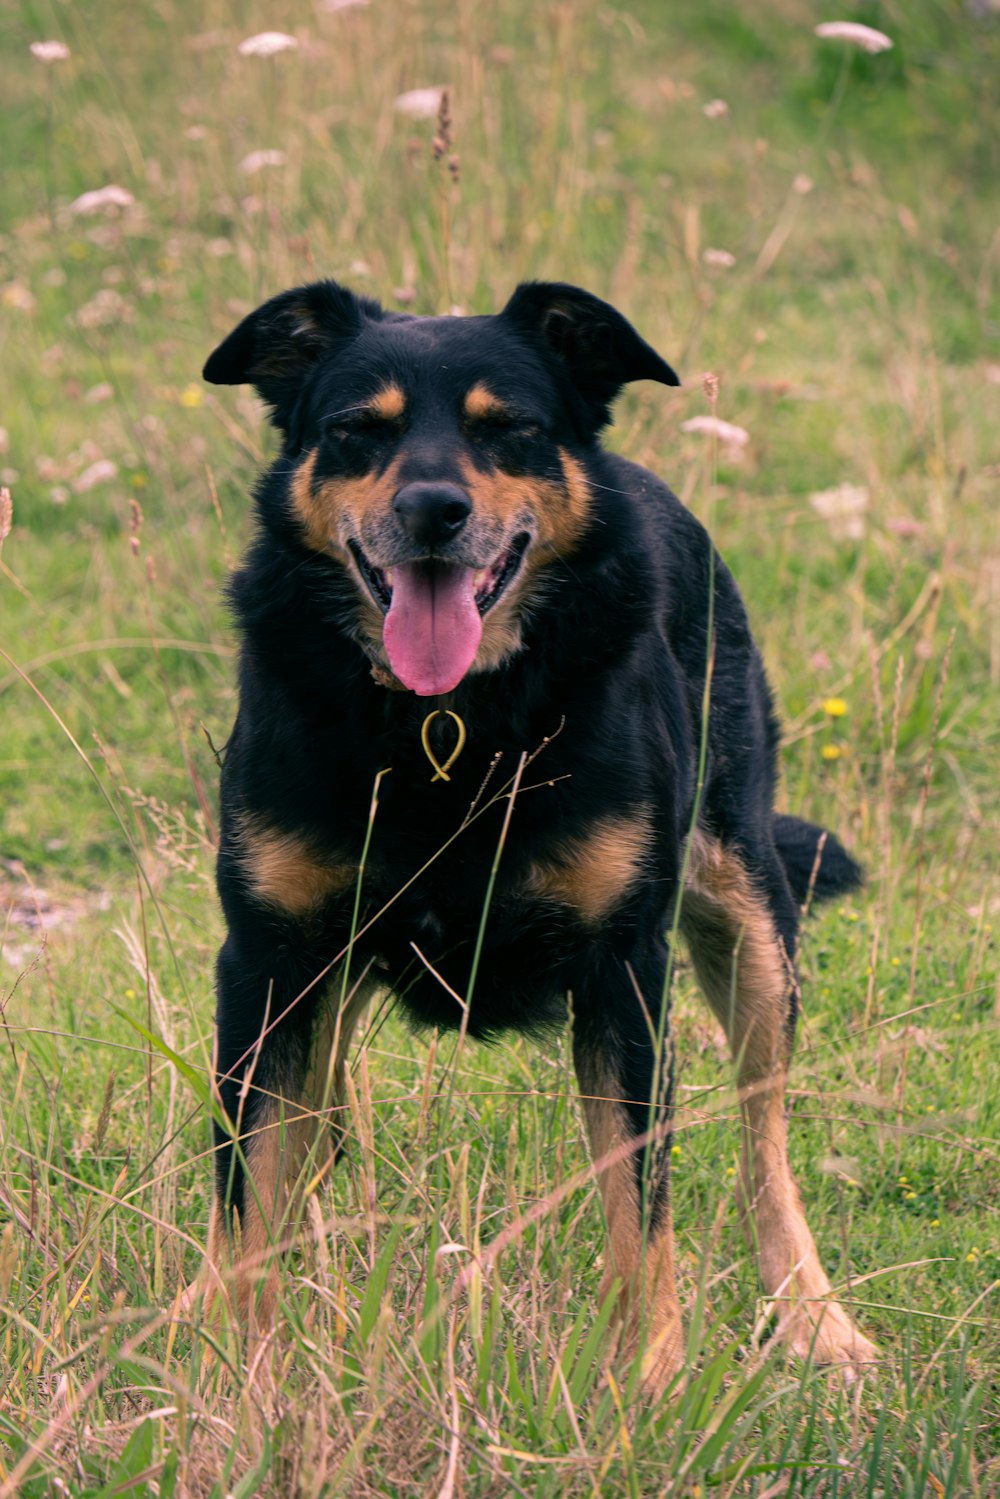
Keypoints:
pixel 389 403
pixel 480 403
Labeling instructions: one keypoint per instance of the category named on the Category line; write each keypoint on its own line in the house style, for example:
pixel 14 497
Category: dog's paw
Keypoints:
pixel 822 1333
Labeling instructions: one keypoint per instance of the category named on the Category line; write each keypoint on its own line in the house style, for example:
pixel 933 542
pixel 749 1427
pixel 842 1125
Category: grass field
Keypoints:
pixel 440 1329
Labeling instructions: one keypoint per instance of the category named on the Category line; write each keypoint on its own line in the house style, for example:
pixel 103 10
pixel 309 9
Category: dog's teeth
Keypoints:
pixel 480 577
pixel 387 575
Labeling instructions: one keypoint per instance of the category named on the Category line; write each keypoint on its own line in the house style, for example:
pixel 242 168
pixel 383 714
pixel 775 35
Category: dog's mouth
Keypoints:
pixel 434 612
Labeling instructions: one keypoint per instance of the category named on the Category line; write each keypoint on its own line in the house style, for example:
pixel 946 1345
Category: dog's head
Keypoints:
pixel 439 460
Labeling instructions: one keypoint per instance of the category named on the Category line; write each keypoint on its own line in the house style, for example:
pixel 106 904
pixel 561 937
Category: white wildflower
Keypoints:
pixel 802 184
pixel 719 257
pixel 343 4
pixel 103 391
pixel 266 44
pixel 50 51
pixel 4 440
pixel 100 198
pixel 418 103
pixel 98 473
pixel 843 509
pixel 6 513
pixel 258 159
pixel 715 109
pixel 865 37
pixel 105 308
pixel 713 426
pixel 17 296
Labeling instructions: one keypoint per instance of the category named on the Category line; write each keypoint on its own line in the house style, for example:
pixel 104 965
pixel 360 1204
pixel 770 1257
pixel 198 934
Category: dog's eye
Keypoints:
pixel 361 423
pixel 491 428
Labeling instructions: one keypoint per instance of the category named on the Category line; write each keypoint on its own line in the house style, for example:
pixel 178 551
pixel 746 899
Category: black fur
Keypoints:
pixel 603 688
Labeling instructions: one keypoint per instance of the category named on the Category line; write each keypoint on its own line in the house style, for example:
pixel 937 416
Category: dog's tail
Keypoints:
pixel 816 863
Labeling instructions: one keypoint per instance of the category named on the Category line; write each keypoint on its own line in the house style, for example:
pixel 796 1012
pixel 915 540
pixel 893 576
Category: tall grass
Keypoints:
pixel 439 1327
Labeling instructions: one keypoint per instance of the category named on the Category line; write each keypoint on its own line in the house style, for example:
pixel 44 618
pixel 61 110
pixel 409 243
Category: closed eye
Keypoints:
pixel 361 421
pixel 502 424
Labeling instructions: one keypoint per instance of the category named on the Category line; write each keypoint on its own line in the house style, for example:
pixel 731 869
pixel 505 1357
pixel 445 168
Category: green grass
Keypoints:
pixel 857 337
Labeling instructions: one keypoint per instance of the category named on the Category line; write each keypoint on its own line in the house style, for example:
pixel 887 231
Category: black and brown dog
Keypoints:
pixel 446 559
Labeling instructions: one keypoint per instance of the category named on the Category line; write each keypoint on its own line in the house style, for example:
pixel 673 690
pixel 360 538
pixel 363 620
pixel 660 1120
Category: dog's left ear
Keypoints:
pixel 276 348
pixel 599 348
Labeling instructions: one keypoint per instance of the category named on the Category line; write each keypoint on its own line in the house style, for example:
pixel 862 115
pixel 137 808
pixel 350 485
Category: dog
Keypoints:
pixel 503 732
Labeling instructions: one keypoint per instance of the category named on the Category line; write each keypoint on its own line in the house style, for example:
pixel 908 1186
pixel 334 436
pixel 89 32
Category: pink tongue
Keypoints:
pixel 431 633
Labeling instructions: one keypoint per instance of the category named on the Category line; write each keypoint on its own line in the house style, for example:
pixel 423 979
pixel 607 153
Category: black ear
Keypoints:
pixel 599 348
pixel 275 347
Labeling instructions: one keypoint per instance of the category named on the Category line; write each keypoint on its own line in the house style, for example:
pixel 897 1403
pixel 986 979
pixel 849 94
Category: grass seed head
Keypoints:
pixel 865 37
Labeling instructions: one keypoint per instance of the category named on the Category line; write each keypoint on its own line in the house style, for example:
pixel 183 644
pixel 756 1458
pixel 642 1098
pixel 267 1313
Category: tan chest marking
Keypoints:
pixel 593 872
pixel 282 869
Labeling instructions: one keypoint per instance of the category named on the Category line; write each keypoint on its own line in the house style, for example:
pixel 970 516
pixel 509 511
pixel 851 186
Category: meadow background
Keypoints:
pixel 819 227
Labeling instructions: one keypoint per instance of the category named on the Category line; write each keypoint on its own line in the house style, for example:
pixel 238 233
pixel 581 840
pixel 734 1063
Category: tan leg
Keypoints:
pixel 749 982
pixel 284 1133
pixel 642 1263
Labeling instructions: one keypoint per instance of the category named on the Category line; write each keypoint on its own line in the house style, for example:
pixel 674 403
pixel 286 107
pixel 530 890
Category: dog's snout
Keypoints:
pixel 432 513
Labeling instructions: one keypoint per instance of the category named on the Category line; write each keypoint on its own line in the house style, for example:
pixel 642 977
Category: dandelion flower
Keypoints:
pixel 100 198
pixel 720 258
pixel 836 708
pixel 191 396
pixel 830 752
pixel 715 109
pixel 50 51
pixel 418 103
pixel 865 37
pixel 256 160
pixel 266 44
pixel 726 432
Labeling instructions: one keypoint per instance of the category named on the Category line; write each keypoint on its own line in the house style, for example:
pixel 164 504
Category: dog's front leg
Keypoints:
pixel 621 1053
pixel 281 1051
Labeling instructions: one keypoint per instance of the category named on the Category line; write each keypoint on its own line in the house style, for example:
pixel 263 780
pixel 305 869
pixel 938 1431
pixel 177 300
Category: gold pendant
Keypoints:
pixel 441 771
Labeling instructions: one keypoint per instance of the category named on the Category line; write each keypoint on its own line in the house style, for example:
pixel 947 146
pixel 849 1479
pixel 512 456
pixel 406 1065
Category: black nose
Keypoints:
pixel 432 513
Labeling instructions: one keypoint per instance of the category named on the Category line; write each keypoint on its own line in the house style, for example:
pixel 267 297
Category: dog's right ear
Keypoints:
pixel 276 347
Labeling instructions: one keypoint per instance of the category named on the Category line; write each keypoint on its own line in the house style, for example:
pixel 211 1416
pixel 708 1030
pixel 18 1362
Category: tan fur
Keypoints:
pixel 283 871
pixel 389 403
pixel 480 404
pixel 748 980
pixel 592 873
pixel 284 1132
pixel 645 1270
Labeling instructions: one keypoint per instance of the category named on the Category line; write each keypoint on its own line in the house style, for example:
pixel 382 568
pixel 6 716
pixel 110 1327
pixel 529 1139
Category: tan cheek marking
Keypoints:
pixel 592 873
pixel 480 402
pixel 560 510
pixel 389 403
pixel 577 511
pixel 283 871
pixel 320 508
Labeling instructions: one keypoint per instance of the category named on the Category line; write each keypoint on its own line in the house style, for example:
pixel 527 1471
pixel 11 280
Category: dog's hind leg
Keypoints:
pixel 742 944
pixel 282 1050
pixel 622 1067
